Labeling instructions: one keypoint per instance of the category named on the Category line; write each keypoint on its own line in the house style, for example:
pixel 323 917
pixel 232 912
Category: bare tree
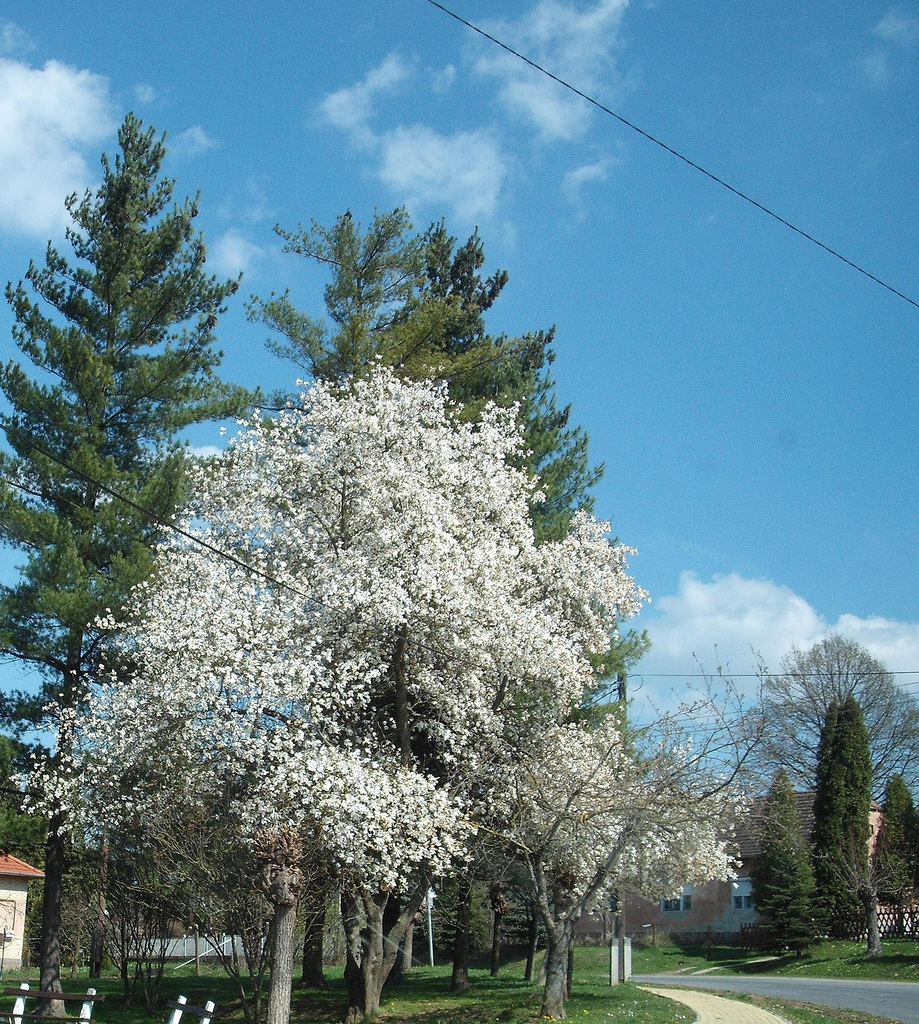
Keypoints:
pixel 796 700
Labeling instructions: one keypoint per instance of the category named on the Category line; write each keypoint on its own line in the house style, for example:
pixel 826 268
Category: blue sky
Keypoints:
pixel 753 399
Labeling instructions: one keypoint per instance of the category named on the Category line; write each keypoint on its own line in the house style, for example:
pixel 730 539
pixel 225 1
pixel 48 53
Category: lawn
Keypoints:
pixel 423 997
pixel 508 999
pixel 899 961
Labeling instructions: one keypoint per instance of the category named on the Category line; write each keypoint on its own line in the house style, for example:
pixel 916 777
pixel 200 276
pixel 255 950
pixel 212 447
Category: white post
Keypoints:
pixel 430 903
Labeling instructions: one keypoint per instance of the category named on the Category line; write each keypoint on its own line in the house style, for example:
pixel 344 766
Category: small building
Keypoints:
pixel 15 876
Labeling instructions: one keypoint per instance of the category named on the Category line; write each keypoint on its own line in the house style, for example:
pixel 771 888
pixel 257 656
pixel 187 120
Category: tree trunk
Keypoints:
pixel 407 950
pixel 284 895
pixel 459 982
pixel 281 854
pixel 553 1000
pixel 351 921
pixel 97 945
pixel 371 952
pixel 532 946
pixel 391 914
pixel 316 902
pixel 55 868
pixel 500 908
pixel 869 897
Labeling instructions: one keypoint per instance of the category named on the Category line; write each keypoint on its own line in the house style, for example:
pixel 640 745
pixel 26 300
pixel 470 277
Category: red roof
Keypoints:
pixel 14 866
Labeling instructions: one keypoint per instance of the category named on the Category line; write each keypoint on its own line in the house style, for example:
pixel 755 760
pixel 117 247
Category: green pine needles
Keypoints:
pixel 120 338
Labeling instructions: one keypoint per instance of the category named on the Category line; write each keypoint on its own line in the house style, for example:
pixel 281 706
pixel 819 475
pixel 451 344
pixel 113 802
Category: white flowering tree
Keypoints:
pixel 590 815
pixel 360 623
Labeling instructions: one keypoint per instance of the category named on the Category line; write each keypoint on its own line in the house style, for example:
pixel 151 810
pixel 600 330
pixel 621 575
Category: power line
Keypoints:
pixel 249 568
pixel 143 510
pixel 762 675
pixel 674 152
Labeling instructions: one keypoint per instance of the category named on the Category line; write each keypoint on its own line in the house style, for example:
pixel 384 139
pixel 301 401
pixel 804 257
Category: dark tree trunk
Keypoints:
pixel 869 897
pixel 316 903
pixel 553 1002
pixel 532 946
pixel 391 913
pixel 459 982
pixel 500 908
pixel 55 869
pixel 97 944
pixel 283 894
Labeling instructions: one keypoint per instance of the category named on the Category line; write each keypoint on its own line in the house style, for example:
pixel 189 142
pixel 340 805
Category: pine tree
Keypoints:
pixel 895 851
pixel 841 810
pixel 783 881
pixel 121 346
pixel 416 303
pixel 22 835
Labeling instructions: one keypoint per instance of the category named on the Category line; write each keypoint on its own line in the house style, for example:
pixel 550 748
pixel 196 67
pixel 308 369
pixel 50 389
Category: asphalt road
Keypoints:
pixel 893 999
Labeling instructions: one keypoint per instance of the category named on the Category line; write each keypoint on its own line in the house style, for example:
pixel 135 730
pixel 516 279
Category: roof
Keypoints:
pixel 10 865
pixel 747 835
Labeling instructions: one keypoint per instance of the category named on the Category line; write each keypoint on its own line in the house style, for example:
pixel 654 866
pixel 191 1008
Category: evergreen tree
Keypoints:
pixel 22 835
pixel 416 303
pixel 121 346
pixel 783 881
pixel 895 851
pixel 841 810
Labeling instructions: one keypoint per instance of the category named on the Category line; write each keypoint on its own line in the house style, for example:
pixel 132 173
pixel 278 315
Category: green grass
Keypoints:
pixel 424 997
pixel 899 961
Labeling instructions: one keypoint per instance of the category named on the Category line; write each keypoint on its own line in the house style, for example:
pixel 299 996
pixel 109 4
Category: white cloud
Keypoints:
pixel 49 116
pixel 192 142
pixel 721 623
pixel 144 93
pixel 420 165
pixel 876 68
pixel 738 626
pixel 574 44
pixel 204 451
pixel 578 178
pixel 465 170
pixel 898 28
pixel 233 254
pixel 733 615
pixel 351 108
pixel 442 80
pixel 14 40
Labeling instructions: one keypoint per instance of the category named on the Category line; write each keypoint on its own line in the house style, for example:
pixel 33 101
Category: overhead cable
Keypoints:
pixel 673 152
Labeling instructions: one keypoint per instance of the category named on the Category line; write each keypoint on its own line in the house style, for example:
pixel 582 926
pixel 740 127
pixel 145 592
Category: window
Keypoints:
pixel 742 894
pixel 678 904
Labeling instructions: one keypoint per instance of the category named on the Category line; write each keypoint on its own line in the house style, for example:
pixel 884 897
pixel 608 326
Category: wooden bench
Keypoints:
pixel 19 1013
pixel 182 1006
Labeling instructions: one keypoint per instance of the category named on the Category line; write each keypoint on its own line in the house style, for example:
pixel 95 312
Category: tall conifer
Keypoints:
pixel 841 810
pixel 783 881
pixel 120 341
pixel 897 846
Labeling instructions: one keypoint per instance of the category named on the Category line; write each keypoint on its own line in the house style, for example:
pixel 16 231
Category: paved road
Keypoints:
pixel 893 999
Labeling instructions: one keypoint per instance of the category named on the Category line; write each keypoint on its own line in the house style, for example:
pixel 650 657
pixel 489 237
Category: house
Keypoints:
pixel 716 911
pixel 15 876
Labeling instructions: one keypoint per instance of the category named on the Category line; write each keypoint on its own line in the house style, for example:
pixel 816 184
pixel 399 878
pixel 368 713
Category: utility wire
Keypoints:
pixel 148 513
pixel 673 152
pixel 153 517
